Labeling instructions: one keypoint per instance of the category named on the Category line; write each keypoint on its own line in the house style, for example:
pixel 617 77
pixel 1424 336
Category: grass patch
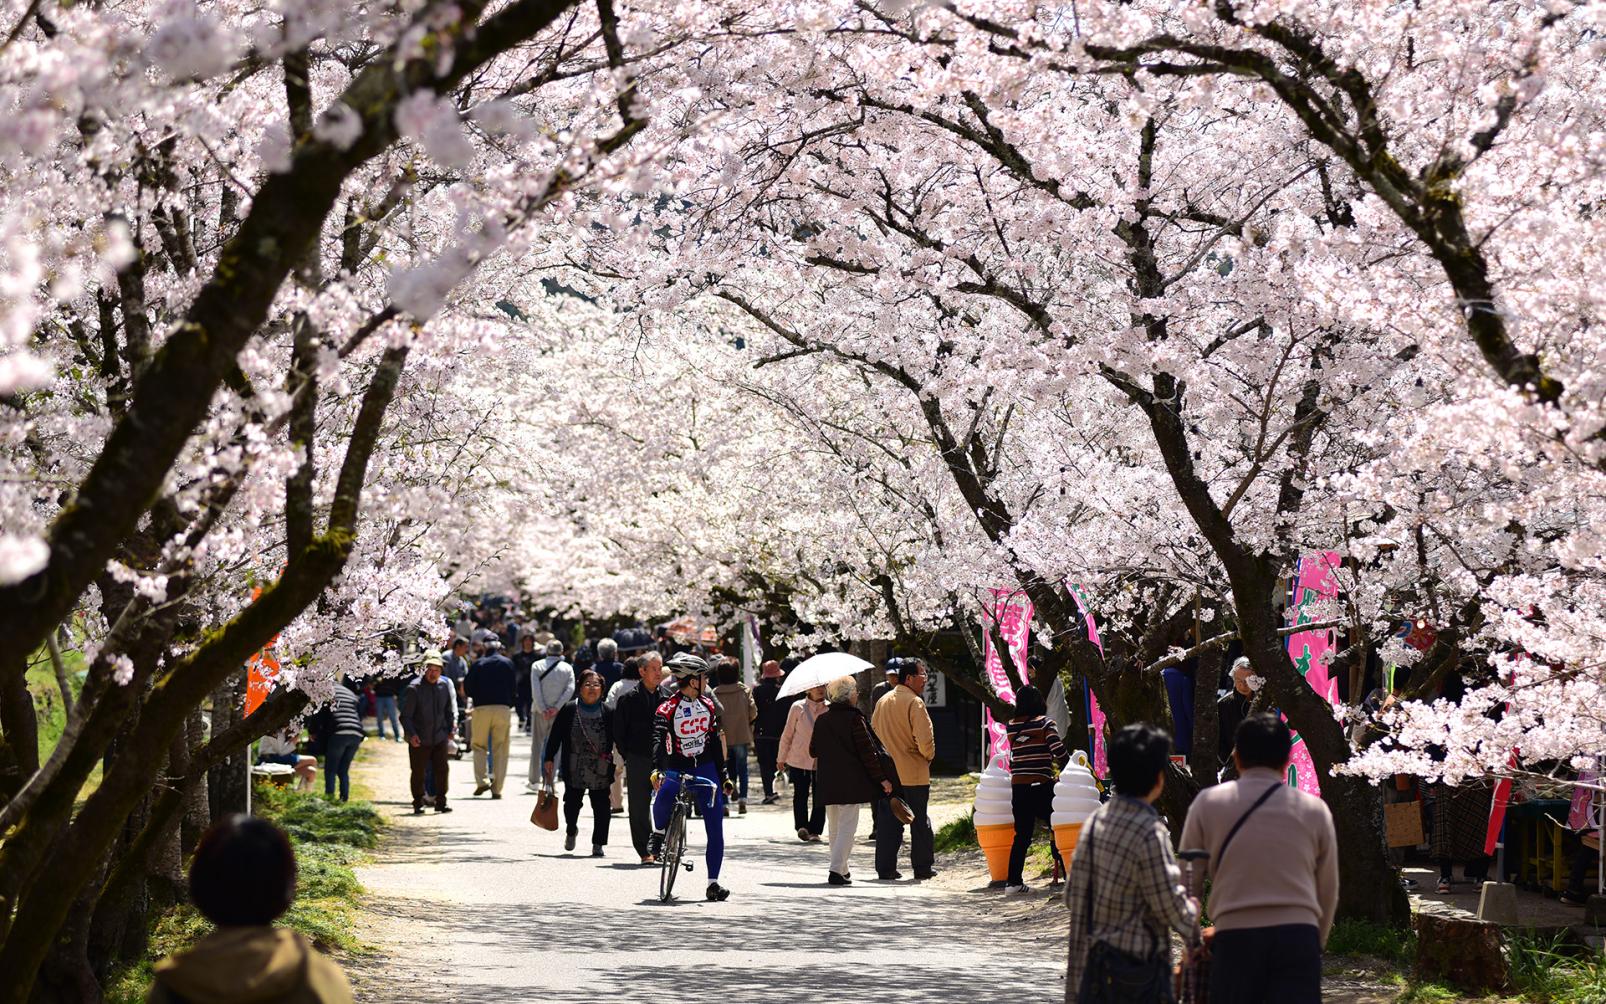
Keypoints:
pixel 330 840
pixel 1428 993
pixel 1552 971
pixel 1361 937
pixel 959 835
pixel 47 706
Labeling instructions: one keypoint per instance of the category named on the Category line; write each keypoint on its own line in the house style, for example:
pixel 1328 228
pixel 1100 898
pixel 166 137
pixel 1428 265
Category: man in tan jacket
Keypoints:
pixel 904 728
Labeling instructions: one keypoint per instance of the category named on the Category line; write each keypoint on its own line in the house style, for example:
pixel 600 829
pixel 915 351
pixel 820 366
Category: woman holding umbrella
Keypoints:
pixel 810 678
pixel 847 773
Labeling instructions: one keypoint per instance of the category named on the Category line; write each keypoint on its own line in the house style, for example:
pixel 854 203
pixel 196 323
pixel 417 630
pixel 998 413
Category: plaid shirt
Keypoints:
pixel 1140 892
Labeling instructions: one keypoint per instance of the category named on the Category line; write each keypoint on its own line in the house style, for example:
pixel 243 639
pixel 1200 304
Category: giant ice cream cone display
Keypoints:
pixel 1076 795
pixel 995 816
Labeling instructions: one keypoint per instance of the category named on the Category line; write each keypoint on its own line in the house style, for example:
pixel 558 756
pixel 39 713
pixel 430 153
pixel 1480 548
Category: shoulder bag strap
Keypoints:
pixel 1222 850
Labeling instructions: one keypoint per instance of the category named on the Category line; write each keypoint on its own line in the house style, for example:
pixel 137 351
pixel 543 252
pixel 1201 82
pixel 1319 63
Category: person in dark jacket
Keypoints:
pixel 242 878
pixel 428 710
pixel 524 661
pixel 632 736
pixel 345 733
pixel 492 688
pixel 580 748
pixel 771 722
pixel 846 771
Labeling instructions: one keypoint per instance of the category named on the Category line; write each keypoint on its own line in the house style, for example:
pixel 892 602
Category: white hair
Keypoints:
pixel 842 690
pixel 607 648
pixel 1242 662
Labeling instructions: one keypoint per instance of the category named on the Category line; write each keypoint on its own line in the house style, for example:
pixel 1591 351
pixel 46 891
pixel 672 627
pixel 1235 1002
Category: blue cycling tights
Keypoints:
pixel 710 800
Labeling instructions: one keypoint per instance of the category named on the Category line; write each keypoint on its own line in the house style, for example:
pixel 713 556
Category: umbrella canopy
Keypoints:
pixel 819 670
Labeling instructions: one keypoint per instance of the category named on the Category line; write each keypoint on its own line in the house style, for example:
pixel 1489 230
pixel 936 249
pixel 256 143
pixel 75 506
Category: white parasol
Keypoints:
pixel 817 671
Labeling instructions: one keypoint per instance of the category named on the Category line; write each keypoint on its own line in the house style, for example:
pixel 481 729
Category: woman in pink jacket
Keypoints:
pixel 794 755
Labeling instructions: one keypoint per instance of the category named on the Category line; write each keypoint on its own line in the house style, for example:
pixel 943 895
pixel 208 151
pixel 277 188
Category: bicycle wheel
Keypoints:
pixel 674 848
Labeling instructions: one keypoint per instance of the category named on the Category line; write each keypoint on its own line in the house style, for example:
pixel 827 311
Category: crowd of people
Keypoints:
pixel 624 736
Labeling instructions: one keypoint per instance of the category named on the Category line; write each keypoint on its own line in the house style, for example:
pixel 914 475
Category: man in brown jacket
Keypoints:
pixel 1273 870
pixel 903 725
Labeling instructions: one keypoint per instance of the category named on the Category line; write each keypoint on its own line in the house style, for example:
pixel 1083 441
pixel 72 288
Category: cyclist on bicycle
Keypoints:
pixel 687 741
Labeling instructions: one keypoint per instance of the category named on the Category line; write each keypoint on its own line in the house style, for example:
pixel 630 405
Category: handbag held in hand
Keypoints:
pixel 545 813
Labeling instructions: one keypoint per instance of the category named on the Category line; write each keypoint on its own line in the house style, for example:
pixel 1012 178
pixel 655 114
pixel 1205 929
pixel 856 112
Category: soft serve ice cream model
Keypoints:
pixel 1075 797
pixel 995 816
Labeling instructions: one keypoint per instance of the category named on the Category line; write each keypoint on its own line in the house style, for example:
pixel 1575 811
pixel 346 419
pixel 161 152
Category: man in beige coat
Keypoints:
pixel 903 725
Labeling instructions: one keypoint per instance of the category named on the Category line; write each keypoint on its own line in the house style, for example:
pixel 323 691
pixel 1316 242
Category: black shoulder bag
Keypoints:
pixel 1113 975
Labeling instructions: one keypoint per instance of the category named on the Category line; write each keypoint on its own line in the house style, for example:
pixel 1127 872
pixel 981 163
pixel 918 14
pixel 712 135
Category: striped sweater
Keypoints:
pixel 1035 750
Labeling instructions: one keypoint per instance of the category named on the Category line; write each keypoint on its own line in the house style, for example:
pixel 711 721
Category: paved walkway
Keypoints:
pixel 481 906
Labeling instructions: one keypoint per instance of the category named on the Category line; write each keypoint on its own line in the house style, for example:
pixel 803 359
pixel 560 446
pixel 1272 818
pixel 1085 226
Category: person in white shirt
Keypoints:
pixel 551 687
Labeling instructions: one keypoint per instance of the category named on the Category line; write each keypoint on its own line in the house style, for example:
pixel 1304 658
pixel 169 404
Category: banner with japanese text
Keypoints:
pixel 1011 614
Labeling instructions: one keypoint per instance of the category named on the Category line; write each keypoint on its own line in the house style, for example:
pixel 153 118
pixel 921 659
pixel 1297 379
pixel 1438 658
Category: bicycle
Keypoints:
pixel 674 847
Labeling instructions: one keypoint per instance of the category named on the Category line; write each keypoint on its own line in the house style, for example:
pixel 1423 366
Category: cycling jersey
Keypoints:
pixel 685 735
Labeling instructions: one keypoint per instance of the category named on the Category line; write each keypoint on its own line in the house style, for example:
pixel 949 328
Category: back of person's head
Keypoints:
pixel 728 672
pixel 632 670
pixel 788 664
pixel 908 668
pixel 1029 702
pixel 842 690
pixel 607 650
pixel 1263 740
pixel 554 647
pixel 244 872
pixel 1138 755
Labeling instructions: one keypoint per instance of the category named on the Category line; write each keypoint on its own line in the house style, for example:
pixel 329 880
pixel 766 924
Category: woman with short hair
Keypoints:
pixel 847 772
pixel 580 747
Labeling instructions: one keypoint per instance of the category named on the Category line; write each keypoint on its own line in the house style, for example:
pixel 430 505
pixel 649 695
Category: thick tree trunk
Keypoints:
pixel 227 782
pixel 1369 886
pixel 1205 760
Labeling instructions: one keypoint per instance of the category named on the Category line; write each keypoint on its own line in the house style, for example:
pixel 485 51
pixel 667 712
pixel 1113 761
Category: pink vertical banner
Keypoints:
pixel 1012 613
pixel 1095 716
pixel 1312 653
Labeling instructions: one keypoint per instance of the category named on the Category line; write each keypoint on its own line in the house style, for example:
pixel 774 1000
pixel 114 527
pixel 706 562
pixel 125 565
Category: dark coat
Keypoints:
pixel 490 681
pixel 771 709
pixel 633 722
pixel 561 752
pixel 427 711
pixel 845 770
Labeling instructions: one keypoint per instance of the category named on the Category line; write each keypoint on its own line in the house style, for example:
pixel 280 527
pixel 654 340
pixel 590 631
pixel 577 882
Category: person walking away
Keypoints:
pixel 629 679
pixel 345 735
pixel 1036 756
pixel 550 689
pixel 428 710
pixel 580 748
pixel 769 724
pixel 633 714
pixel 282 748
pixel 1273 873
pixel 799 762
pixel 736 717
pixel 903 725
pixel 242 878
pixel 387 706
pixel 1124 889
pixel 491 686
pixel 524 661
pixel 847 773
pixel 687 744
